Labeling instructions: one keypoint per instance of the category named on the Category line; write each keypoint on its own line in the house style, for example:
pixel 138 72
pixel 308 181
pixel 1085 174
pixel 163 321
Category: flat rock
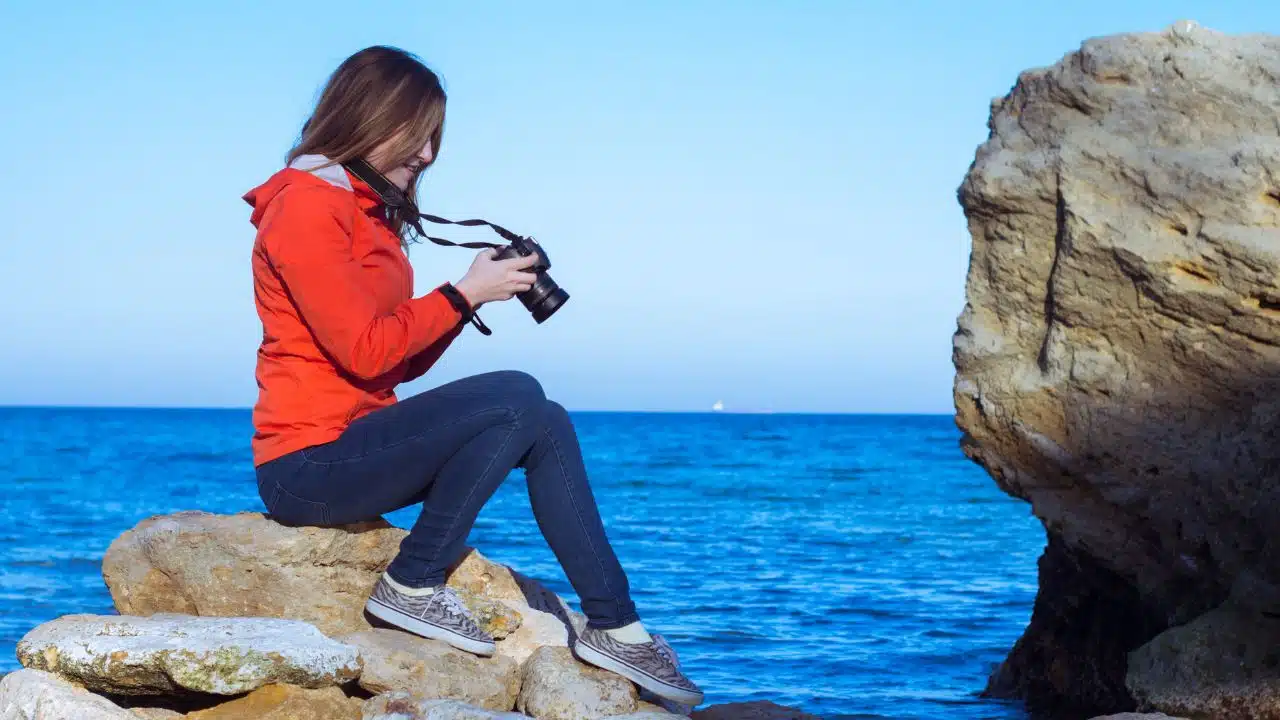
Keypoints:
pixel 1223 664
pixel 1118 351
pixel 403 705
pixel 537 629
pixel 284 702
pixel 757 710
pixel 246 565
pixel 395 660
pixel 558 687
pixel 38 695
pixel 644 715
pixel 171 654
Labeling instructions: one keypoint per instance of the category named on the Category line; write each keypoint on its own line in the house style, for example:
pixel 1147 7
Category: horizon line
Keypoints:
pixel 242 408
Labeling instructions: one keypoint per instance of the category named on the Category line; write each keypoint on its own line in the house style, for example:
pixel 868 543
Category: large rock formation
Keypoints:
pixel 181 649
pixel 1118 357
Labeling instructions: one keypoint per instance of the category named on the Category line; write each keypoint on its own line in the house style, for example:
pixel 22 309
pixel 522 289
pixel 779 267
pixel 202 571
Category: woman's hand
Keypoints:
pixel 491 280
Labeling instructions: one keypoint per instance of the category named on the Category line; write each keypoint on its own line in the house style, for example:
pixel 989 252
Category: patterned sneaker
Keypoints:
pixel 439 616
pixel 650 665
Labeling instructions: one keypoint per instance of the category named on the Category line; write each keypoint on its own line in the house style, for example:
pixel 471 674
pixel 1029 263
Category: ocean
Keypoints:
pixel 853 566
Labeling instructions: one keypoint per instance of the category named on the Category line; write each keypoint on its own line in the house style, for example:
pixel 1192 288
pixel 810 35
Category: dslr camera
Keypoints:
pixel 545 297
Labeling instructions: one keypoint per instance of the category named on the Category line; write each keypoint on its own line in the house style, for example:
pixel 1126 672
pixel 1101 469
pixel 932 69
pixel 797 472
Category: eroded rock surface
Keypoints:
pixel 173 654
pixel 1118 356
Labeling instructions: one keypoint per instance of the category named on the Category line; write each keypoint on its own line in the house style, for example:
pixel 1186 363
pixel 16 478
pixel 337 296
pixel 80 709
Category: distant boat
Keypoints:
pixel 718 407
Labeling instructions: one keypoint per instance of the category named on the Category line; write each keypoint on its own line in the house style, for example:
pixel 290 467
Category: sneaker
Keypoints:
pixel 439 616
pixel 650 665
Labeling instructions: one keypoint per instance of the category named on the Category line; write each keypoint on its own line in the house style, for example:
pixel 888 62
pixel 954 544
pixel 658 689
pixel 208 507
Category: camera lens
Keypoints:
pixel 544 298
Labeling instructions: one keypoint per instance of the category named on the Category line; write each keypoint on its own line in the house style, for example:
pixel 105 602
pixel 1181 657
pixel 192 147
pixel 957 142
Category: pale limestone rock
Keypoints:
pixel 247 565
pixel 558 687
pixel 537 629
pixel 172 654
pixel 1118 355
pixel 395 660
pixel 38 695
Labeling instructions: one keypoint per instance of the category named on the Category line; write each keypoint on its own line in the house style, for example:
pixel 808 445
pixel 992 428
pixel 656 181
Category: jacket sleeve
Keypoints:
pixel 422 362
pixel 312 252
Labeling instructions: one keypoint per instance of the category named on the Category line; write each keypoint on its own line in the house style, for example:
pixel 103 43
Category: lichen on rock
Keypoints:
pixel 173 654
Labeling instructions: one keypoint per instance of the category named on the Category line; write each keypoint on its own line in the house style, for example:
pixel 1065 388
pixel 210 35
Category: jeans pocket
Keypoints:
pixel 268 492
pixel 292 510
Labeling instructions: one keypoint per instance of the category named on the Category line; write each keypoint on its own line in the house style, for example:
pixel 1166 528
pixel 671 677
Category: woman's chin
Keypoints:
pixel 401 178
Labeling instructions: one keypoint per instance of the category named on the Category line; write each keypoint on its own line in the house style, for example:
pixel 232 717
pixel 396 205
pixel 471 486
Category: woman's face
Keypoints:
pixel 403 173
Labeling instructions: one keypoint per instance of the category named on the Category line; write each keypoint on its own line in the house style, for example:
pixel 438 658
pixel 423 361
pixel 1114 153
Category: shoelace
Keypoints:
pixel 451 602
pixel 664 651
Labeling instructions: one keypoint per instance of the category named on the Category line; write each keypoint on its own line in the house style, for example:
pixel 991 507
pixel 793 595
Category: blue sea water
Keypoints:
pixel 853 566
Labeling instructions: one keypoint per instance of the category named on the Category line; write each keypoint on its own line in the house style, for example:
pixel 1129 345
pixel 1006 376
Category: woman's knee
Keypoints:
pixel 555 415
pixel 521 394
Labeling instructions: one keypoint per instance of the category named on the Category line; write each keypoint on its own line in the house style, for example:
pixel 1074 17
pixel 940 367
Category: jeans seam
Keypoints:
pixel 281 490
pixel 444 538
pixel 511 414
pixel 573 500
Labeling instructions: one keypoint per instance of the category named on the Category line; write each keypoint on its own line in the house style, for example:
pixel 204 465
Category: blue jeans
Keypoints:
pixel 450 448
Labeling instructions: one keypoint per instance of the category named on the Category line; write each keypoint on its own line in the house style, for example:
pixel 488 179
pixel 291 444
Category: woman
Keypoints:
pixel 332 445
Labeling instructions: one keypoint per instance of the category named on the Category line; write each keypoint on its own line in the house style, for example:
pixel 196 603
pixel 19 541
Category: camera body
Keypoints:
pixel 545 297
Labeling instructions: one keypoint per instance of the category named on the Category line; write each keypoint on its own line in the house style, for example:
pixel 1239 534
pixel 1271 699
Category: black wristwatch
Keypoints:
pixel 459 303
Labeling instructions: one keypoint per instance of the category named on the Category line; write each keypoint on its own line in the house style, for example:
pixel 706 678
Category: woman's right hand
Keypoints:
pixel 490 280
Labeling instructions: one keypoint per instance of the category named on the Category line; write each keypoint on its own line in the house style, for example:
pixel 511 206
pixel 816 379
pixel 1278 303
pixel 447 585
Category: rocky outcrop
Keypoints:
pixel 395 660
pixel 1118 356
pixel 179 649
pixel 558 687
pixel 167 654
pixel 198 563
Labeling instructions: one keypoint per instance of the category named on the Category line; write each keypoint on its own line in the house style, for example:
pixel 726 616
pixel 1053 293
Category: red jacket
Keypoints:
pixel 340 325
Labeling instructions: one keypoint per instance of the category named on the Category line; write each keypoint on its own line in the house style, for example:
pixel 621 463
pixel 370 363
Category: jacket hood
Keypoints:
pixel 309 170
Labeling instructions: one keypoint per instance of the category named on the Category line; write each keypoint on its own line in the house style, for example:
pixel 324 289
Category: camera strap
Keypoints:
pixel 399 205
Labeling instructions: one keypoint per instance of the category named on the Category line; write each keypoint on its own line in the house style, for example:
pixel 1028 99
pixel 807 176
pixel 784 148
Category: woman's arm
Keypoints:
pixel 422 362
pixel 311 251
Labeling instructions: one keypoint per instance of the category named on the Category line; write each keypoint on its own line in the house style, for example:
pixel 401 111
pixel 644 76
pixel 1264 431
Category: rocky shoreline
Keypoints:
pixel 237 617
pixel 1118 367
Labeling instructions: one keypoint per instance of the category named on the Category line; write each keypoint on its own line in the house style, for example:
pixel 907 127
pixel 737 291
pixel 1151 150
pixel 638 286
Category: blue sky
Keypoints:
pixel 750 202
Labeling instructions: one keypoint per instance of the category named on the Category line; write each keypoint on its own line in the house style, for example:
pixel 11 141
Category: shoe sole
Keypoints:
pixel 648 682
pixel 418 626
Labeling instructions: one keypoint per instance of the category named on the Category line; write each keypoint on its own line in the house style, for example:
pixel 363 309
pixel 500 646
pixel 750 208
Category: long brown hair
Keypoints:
pixel 377 94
